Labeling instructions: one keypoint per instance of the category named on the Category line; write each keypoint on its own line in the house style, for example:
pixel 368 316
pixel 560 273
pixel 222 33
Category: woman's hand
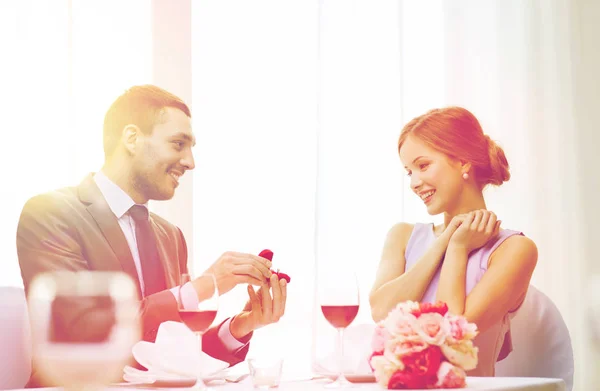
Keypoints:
pixel 453 226
pixel 474 229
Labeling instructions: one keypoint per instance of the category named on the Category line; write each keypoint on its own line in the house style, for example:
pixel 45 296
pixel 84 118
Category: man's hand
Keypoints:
pixel 231 269
pixel 261 309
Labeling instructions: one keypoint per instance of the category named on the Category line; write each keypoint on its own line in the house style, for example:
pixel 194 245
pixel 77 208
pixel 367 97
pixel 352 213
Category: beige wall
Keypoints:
pixel 587 91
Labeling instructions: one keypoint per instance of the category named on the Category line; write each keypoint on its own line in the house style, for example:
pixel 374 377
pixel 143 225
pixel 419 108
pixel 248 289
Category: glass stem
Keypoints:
pixel 199 337
pixel 199 382
pixel 341 338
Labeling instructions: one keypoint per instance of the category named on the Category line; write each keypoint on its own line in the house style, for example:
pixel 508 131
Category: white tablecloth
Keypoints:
pixel 473 383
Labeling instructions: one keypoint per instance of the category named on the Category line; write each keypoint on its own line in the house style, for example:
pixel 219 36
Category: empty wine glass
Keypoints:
pixel 201 316
pixel 339 300
pixel 83 326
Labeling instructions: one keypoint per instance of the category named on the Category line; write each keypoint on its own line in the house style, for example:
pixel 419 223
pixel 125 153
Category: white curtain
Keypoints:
pixel 513 64
pixel 34 74
pixel 63 63
pixel 254 115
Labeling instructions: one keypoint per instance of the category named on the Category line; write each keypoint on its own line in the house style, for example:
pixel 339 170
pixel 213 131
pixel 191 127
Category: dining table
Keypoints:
pixel 473 383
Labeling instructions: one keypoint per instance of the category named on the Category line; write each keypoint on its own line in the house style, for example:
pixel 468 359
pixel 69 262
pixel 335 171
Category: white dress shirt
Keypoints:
pixel 120 203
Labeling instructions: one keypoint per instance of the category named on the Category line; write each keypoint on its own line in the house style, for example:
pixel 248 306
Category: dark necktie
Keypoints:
pixel 152 269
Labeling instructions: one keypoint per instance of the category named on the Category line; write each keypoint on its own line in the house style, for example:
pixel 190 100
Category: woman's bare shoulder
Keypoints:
pixel 400 232
pixel 517 248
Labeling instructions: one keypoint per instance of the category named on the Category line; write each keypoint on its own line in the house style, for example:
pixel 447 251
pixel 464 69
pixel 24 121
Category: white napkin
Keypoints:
pixel 357 350
pixel 175 355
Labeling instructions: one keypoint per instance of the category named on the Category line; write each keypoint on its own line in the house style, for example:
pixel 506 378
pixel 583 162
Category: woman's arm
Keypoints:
pixel 392 284
pixel 502 287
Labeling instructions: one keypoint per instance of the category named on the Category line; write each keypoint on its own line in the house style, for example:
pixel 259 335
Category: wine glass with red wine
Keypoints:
pixel 339 300
pixel 83 327
pixel 199 315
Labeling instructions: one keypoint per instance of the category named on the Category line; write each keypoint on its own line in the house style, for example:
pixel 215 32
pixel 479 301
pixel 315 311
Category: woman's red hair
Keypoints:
pixel 456 132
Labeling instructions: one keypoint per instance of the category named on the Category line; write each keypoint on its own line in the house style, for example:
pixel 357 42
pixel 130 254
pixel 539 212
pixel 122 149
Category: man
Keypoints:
pixel 103 224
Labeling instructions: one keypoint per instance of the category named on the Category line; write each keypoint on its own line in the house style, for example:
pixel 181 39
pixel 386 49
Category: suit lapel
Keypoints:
pixel 109 225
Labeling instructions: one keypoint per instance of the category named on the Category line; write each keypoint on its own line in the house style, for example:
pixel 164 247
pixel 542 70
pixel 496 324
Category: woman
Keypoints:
pixel 478 269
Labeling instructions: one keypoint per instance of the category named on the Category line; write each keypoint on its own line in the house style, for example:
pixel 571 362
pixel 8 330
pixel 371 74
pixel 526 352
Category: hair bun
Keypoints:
pixel 498 163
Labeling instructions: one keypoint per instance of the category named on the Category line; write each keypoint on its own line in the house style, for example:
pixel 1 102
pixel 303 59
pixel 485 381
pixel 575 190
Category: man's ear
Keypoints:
pixel 130 138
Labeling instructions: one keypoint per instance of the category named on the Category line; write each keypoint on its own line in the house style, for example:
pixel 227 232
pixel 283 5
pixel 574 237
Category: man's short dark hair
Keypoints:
pixel 141 106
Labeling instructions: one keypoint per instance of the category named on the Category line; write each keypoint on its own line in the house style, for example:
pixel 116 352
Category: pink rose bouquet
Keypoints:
pixel 422 345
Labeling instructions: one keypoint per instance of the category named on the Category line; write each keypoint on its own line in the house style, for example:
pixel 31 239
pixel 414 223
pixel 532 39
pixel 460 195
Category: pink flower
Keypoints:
pixel 380 337
pixel 402 380
pixel 462 354
pixel 461 329
pixel 433 328
pixel 420 370
pixel 422 346
pixel 408 307
pixel 400 324
pixel 450 376
pixel 425 308
pixel 383 369
pixel 374 354
pixel 407 347
pixel 426 362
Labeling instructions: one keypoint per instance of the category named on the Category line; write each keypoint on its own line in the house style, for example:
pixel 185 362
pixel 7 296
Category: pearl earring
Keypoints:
pixel 465 176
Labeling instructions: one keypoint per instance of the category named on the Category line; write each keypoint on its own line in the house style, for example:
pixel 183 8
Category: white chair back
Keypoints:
pixel 15 339
pixel 541 342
